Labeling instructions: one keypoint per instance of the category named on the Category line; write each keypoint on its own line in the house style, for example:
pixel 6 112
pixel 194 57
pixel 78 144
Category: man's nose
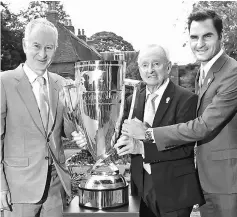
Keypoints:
pixel 42 53
pixel 150 68
pixel 200 43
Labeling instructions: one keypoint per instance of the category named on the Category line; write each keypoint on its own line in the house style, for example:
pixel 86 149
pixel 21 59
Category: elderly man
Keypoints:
pixel 166 181
pixel 215 127
pixel 32 157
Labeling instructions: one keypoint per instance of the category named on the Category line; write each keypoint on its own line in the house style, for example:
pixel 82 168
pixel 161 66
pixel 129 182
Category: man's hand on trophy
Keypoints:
pixel 128 145
pixel 134 128
pixel 80 139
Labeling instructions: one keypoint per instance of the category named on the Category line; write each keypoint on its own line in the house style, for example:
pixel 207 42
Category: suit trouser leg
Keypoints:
pixel 219 205
pixel 49 206
pixel 148 204
pixel 145 211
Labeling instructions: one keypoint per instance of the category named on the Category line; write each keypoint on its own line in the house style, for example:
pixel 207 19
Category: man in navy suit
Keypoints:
pixel 166 181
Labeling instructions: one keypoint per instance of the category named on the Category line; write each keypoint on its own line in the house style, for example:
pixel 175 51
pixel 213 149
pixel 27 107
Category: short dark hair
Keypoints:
pixel 207 14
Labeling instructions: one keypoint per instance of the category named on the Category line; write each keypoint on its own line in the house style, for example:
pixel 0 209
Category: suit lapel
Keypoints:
pixel 207 81
pixel 211 76
pixel 140 104
pixel 164 103
pixel 53 100
pixel 24 88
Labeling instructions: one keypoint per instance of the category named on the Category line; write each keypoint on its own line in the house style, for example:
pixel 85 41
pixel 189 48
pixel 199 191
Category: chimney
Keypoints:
pixel 52 14
pixel 69 26
pixel 79 33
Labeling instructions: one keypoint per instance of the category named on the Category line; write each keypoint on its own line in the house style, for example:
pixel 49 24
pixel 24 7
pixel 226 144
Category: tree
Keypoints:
pixel 228 11
pixel 11 35
pixel 39 8
pixel 109 41
pixel 12 30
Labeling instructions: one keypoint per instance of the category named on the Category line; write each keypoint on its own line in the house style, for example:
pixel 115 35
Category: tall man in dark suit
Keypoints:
pixel 167 181
pixel 32 161
pixel 215 128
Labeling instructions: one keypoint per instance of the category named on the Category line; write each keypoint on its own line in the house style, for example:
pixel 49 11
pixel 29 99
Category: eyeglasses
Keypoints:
pixel 154 65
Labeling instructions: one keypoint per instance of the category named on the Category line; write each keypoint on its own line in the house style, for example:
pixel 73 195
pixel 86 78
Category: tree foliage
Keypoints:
pixel 38 9
pixel 11 39
pixel 228 11
pixel 12 30
pixel 109 41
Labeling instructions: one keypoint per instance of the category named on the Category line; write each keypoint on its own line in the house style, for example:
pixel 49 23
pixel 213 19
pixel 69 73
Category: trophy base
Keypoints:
pixel 103 199
pixel 103 188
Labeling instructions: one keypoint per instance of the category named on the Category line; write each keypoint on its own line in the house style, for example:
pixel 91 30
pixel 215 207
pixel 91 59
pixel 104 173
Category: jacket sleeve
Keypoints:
pixel 4 185
pixel 219 111
pixel 186 110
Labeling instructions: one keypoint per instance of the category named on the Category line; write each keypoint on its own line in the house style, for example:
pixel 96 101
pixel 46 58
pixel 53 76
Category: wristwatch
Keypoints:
pixel 148 135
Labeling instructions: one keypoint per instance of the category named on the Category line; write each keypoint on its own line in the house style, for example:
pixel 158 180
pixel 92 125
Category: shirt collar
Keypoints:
pixel 160 90
pixel 32 75
pixel 207 67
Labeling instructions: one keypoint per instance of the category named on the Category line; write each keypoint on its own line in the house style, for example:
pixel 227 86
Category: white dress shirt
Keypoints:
pixel 34 83
pixel 160 93
pixel 209 64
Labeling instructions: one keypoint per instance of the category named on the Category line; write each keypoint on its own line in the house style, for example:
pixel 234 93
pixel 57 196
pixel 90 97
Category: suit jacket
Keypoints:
pixel 173 171
pixel 215 129
pixel 24 160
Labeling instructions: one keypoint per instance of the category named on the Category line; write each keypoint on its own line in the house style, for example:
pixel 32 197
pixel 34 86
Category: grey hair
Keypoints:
pixel 154 47
pixel 40 22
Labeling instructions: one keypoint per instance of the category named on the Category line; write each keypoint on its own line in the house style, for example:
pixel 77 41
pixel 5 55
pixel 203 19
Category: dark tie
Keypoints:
pixel 43 101
pixel 201 78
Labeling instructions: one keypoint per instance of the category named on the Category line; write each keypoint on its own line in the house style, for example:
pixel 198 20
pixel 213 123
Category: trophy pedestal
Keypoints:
pixel 102 190
pixel 103 199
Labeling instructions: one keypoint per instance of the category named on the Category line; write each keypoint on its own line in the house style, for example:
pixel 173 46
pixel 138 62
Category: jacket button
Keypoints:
pixel 46 158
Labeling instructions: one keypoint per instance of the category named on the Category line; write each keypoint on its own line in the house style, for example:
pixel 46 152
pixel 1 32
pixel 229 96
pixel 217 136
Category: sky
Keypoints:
pixel 139 22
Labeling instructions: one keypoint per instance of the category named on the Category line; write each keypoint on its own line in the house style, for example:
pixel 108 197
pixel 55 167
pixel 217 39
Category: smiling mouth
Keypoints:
pixel 152 76
pixel 42 61
pixel 201 51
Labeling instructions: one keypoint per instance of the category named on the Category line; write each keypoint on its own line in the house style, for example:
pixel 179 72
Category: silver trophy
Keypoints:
pixel 95 104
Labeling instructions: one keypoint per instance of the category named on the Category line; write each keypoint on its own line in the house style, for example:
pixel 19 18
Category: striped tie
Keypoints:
pixel 150 107
pixel 151 111
pixel 43 101
pixel 201 78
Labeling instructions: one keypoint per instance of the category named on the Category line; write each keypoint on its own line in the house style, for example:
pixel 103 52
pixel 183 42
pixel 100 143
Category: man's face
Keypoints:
pixel 154 67
pixel 204 40
pixel 40 48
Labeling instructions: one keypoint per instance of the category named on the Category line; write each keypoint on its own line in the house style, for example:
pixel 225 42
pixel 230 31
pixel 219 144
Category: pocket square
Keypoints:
pixel 208 81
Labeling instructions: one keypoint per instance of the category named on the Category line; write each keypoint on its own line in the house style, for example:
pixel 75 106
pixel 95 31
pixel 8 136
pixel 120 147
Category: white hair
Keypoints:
pixel 40 22
pixel 154 47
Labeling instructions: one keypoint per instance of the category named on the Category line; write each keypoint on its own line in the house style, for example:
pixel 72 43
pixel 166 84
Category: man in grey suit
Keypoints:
pixel 32 160
pixel 215 128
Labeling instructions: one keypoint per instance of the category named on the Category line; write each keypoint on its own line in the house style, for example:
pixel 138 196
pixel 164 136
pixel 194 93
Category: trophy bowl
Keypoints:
pixel 96 104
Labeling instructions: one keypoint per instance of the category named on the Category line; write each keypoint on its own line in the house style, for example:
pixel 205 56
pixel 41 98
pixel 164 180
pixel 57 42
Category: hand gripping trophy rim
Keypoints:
pixel 101 158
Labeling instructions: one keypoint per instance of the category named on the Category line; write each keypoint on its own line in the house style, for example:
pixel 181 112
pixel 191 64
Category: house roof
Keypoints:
pixel 71 48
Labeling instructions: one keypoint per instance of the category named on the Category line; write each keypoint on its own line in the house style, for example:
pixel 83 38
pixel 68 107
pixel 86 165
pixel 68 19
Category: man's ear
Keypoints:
pixel 24 44
pixel 169 66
